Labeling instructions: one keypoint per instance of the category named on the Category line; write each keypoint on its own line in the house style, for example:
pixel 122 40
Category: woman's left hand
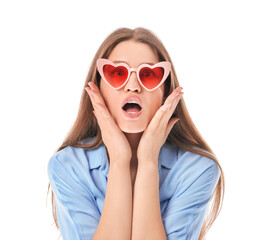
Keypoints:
pixel 158 129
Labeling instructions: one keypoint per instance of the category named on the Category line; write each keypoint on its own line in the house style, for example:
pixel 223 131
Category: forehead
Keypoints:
pixel 134 53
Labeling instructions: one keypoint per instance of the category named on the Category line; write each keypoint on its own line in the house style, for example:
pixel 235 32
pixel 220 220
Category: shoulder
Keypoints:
pixel 69 157
pixel 196 160
pixel 191 166
pixel 75 161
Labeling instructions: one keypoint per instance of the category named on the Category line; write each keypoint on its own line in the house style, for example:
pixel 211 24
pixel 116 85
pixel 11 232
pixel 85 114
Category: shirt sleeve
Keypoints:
pixel 185 212
pixel 77 214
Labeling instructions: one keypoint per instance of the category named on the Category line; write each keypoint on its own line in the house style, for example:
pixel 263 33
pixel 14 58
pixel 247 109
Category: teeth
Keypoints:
pixel 132 102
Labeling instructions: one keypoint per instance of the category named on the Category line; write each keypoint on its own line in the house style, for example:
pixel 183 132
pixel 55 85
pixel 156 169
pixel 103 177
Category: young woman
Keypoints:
pixel 133 165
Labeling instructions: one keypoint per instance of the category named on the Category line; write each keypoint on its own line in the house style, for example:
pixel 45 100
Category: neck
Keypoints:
pixel 133 139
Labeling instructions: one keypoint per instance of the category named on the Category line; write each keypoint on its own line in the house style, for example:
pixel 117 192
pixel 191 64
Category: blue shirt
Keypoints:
pixel 78 178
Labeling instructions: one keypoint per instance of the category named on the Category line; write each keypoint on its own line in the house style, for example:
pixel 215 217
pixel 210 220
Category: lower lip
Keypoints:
pixel 132 115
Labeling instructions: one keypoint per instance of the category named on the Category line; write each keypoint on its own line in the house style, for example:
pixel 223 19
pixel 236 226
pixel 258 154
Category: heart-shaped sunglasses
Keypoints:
pixel 117 75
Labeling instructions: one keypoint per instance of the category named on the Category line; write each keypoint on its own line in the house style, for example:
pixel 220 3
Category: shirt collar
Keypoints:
pixel 98 157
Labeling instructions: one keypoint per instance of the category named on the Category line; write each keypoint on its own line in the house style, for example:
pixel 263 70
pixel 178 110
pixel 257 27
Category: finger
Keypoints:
pixel 162 116
pixel 101 110
pixel 173 105
pixel 168 108
pixel 96 92
pixel 168 112
pixel 92 97
pixel 173 95
pixel 97 99
pixel 171 102
pixel 170 125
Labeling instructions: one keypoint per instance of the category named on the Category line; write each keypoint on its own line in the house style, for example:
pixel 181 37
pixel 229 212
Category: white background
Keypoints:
pixel 222 52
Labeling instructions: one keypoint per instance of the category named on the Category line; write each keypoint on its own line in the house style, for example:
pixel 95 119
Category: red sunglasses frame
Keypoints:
pixel 165 65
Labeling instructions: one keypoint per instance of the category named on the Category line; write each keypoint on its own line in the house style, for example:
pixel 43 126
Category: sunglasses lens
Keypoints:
pixel 150 78
pixel 116 76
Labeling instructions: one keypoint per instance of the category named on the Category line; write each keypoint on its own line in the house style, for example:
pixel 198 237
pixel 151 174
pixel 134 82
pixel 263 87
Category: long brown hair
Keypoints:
pixel 184 134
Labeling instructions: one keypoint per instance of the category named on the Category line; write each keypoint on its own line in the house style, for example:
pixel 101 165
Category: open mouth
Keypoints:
pixel 131 108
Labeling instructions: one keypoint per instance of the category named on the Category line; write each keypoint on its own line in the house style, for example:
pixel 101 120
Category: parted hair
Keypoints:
pixel 184 134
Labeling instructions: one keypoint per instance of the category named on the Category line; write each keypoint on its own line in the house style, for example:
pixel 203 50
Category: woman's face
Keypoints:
pixel 133 53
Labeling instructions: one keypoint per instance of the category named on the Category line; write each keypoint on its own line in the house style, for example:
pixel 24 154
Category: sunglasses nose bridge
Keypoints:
pixel 131 71
pixel 130 75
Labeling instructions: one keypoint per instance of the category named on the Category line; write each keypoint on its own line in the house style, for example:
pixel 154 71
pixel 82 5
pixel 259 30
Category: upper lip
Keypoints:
pixel 132 98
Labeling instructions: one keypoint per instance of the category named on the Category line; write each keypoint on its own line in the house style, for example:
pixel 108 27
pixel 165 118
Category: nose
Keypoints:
pixel 132 83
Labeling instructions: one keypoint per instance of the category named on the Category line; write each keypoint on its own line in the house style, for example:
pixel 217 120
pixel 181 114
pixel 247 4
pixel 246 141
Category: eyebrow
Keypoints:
pixel 129 64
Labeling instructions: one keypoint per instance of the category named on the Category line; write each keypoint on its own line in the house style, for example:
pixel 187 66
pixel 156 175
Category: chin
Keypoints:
pixel 132 128
pixel 132 131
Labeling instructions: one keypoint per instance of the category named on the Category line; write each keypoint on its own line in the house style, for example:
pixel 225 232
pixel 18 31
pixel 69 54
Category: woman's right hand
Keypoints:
pixel 115 141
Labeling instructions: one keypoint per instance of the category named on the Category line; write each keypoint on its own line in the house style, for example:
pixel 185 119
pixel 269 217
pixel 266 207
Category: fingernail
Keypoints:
pixel 178 90
pixel 89 90
pixel 91 84
pixel 180 94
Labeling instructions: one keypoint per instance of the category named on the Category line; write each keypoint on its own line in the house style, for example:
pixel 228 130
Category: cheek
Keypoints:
pixel 111 103
pixel 110 97
pixel 160 95
pixel 156 102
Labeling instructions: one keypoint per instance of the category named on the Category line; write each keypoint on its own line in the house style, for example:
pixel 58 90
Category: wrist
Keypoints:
pixel 120 163
pixel 150 164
